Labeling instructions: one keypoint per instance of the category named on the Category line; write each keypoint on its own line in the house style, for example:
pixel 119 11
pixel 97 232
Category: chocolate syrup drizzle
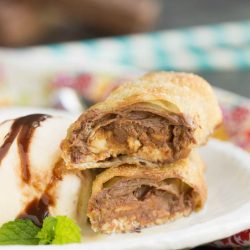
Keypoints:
pixel 38 209
pixel 22 130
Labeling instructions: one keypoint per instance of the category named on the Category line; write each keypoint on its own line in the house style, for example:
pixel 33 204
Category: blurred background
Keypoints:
pixel 91 46
pixel 69 54
pixel 32 22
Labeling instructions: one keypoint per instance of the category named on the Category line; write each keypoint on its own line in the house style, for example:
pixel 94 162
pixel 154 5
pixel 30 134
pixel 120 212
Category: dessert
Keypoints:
pixel 155 120
pixel 34 181
pixel 126 163
pixel 130 197
pixel 142 143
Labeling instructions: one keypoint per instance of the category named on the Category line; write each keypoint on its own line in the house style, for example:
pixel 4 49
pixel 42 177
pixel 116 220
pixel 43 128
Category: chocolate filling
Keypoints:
pixel 140 202
pixel 141 131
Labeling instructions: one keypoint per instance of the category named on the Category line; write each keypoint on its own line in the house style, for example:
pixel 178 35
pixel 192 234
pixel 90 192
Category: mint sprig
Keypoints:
pixel 55 230
pixel 19 232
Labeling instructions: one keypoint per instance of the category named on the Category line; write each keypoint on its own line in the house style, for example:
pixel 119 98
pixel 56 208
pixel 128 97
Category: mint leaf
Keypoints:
pixel 59 230
pixel 55 230
pixel 19 232
pixel 47 233
pixel 66 231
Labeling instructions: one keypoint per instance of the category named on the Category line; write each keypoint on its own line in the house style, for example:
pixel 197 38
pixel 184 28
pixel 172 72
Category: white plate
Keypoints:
pixel 226 211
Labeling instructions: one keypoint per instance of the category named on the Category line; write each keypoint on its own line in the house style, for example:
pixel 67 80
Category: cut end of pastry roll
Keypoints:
pixel 154 120
pixel 130 197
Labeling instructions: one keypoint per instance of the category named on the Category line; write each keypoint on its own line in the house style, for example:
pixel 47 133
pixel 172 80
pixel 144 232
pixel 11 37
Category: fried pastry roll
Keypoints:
pixel 154 120
pixel 130 197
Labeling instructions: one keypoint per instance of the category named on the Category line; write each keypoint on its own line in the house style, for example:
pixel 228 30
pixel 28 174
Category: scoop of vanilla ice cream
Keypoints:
pixel 33 179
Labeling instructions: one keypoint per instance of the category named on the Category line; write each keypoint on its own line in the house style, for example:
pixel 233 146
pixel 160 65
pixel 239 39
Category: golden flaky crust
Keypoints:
pixel 184 93
pixel 189 171
pixel 179 93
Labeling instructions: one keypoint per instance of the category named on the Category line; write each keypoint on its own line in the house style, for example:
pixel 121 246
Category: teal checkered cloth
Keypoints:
pixel 213 47
pixel 223 46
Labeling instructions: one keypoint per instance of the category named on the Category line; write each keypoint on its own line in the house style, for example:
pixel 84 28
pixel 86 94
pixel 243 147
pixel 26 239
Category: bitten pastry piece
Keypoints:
pixel 130 197
pixel 154 120
pixel 34 181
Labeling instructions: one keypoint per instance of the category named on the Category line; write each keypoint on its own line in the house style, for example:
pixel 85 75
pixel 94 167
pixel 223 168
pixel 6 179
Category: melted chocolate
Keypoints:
pixel 38 209
pixel 22 129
